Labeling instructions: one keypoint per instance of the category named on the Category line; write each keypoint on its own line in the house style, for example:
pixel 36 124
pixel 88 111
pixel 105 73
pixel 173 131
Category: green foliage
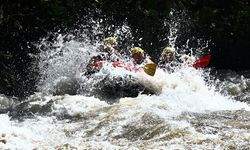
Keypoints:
pixel 7 75
pixel 55 8
pixel 220 20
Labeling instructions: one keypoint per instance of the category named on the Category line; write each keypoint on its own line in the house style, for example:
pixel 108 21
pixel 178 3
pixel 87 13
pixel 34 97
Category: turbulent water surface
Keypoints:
pixel 187 109
pixel 187 114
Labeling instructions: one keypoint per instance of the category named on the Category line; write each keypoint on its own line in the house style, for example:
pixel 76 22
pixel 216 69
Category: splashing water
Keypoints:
pixel 180 25
pixel 173 26
pixel 185 113
pixel 61 61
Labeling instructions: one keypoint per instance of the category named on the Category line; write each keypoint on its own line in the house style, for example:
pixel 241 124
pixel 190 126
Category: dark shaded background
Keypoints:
pixel 225 23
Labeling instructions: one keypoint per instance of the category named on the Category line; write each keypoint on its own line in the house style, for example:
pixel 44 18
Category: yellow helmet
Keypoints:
pixel 110 41
pixel 136 50
pixel 168 50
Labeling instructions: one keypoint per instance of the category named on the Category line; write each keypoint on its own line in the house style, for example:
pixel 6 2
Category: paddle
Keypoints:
pixel 150 68
pixel 202 62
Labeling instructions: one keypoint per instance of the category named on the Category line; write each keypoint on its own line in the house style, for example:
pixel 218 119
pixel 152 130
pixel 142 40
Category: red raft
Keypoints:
pixel 126 66
pixel 202 62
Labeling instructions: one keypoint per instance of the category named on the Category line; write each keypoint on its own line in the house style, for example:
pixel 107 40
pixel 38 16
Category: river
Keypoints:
pixel 193 109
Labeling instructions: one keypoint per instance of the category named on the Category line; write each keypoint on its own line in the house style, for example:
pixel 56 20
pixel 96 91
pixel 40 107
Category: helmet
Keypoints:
pixel 168 50
pixel 136 50
pixel 110 41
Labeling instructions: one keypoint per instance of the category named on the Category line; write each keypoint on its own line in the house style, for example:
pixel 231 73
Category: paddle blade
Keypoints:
pixel 202 62
pixel 150 69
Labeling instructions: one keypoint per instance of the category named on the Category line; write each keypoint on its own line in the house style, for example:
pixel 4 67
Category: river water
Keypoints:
pixel 192 108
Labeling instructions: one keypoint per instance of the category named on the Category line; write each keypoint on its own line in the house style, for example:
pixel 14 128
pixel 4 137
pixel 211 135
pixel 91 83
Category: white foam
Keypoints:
pixel 186 91
pixel 77 104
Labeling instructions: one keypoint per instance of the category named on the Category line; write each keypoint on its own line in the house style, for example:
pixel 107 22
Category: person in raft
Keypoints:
pixel 141 60
pixel 168 60
pixel 108 51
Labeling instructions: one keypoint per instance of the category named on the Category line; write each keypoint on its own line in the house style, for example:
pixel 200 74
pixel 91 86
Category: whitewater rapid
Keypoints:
pixel 187 114
pixel 187 111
